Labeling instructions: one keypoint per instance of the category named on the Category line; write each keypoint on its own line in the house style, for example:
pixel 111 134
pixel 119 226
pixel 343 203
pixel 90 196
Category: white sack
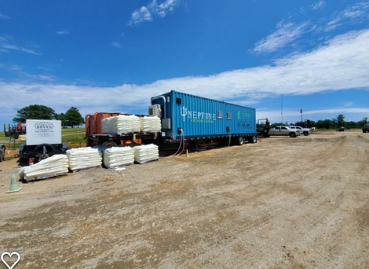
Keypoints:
pixel 50 167
pixel 118 156
pixel 150 124
pixel 146 153
pixel 81 158
pixel 121 124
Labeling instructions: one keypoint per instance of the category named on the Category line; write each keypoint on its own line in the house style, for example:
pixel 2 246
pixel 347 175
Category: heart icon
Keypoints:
pixel 10 255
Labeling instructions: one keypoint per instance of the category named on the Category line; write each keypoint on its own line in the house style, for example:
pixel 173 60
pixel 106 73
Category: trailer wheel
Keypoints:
pixel 39 149
pixel 241 140
pixel 109 144
pixel 200 145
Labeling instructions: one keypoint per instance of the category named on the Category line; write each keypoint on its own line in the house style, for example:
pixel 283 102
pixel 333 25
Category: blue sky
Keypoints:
pixel 112 56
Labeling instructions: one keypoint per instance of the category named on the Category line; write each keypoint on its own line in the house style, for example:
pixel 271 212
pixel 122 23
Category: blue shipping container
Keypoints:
pixel 199 117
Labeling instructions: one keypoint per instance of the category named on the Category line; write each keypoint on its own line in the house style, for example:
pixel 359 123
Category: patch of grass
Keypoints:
pixel 9 142
pixel 72 136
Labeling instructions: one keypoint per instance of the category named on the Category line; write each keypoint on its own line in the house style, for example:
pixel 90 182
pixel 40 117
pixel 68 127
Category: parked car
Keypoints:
pixel 2 152
pixel 304 131
pixel 283 131
pixel 366 128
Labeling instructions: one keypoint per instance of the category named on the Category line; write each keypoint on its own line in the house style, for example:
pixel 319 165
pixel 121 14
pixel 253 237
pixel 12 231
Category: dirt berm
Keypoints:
pixel 284 203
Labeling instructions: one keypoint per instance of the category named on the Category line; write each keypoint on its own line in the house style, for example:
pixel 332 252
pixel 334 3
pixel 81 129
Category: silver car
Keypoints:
pixel 283 131
pixel 304 131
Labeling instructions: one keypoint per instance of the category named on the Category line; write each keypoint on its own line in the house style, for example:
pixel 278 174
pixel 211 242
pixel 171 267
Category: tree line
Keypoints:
pixel 70 118
pixel 334 123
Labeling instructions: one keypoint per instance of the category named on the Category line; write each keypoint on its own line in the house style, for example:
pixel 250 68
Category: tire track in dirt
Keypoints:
pixel 333 206
pixel 257 206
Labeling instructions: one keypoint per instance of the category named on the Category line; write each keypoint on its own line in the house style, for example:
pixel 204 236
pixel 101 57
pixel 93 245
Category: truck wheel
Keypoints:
pixel 306 133
pixel 241 140
pixel 1 157
pixel 253 139
pixel 39 150
pixel 292 134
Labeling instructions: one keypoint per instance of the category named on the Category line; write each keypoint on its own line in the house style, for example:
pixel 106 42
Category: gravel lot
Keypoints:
pixel 284 203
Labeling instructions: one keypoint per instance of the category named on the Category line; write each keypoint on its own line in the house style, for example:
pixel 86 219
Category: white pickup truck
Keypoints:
pixel 304 131
pixel 283 131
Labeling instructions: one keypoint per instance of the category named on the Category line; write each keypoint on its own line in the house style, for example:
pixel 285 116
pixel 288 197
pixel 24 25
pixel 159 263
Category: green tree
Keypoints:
pixel 326 124
pixel 310 123
pixel 73 117
pixel 340 120
pixel 61 117
pixel 35 112
pixel 352 125
pixel 363 121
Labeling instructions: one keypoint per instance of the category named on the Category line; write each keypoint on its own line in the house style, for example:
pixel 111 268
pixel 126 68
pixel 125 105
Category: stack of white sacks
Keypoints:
pixel 146 153
pixel 55 165
pixel 81 158
pixel 150 124
pixel 121 124
pixel 118 156
pixel 130 124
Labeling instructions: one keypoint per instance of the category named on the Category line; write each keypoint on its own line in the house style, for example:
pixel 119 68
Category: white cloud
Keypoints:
pixel 10 47
pixel 147 13
pixel 350 14
pixel 286 33
pixel 116 44
pixel 45 78
pixel 6 46
pixel 21 73
pixel 348 104
pixel 339 110
pixel 62 32
pixel 340 64
pixel 139 16
pixel 318 5
pixel 4 17
pixel 11 67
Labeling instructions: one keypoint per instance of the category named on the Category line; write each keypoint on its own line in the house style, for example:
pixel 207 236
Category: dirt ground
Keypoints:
pixel 284 203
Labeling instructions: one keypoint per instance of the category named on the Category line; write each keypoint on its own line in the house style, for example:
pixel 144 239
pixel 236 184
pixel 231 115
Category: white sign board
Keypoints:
pixel 43 132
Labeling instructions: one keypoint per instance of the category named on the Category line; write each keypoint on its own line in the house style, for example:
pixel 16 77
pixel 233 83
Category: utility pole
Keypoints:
pixel 282 108
pixel 301 114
